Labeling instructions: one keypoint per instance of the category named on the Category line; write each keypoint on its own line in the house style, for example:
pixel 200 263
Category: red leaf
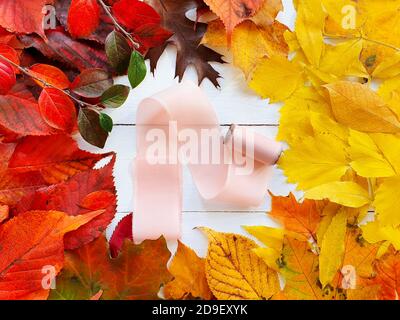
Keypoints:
pixel 122 231
pixel 50 74
pixel 57 109
pixel 22 117
pixel 7 77
pixel 134 13
pixel 74 197
pixel 83 17
pixel 74 53
pixel 30 242
pixel 56 157
pixel 152 35
pixel 23 16
pixel 9 53
pixel 21 91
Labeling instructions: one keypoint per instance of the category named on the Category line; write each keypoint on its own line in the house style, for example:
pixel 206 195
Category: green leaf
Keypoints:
pixel 118 51
pixel 115 96
pixel 137 69
pixel 91 83
pixel 106 122
pixel 90 127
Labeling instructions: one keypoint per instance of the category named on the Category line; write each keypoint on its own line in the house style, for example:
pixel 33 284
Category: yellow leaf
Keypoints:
pixel 314 161
pixel 189 276
pixel 259 42
pixel 309 25
pixel 390 92
pixel 388 68
pixel 387 201
pixel 368 157
pixel 276 78
pixel 332 248
pixel 268 12
pixel 347 193
pixel 374 232
pixel 360 108
pixel 234 271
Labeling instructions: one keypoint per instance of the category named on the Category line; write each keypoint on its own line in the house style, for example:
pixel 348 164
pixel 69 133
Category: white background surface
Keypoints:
pixel 233 103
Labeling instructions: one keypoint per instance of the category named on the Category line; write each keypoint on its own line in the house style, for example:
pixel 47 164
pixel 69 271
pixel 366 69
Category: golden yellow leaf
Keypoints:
pixel 375 232
pixel 315 161
pixel 276 78
pixel 189 276
pixel 333 248
pixel 368 157
pixel 268 12
pixel 234 271
pixel 346 193
pixel 389 90
pixel 387 200
pixel 309 25
pixel 388 68
pixel 259 42
pixel 360 108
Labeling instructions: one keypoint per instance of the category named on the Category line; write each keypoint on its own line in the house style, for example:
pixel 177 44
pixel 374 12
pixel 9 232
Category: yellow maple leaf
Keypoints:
pixel 234 271
pixel 189 276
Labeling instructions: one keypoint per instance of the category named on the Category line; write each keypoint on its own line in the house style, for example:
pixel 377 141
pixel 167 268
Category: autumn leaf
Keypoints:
pixel 56 158
pixel 23 16
pixel 57 109
pixel 83 17
pixel 136 274
pixel 7 77
pixel 91 83
pixel 189 276
pixel 233 269
pixel 122 231
pixel 302 218
pixel 388 276
pixel 233 12
pixel 50 75
pixel 187 38
pixel 40 244
pixel 73 53
pixel 85 192
pixel 360 108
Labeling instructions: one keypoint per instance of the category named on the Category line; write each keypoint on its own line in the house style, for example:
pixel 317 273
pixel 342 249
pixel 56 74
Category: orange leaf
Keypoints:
pixel 302 218
pixel 190 278
pixel 57 109
pixel 388 276
pixel 49 74
pixel 9 53
pixel 4 212
pixel 136 274
pixel 32 245
pixel 233 12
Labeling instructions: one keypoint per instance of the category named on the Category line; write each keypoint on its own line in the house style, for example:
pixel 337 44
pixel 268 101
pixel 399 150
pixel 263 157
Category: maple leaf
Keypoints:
pixel 388 276
pixel 259 41
pixel 189 276
pixel 30 243
pixel 302 218
pixel 22 16
pixel 187 38
pixel 60 46
pixel 233 12
pixel 87 191
pixel 233 269
pixel 136 274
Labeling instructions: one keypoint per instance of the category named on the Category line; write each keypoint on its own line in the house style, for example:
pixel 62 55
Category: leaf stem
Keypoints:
pixel 46 84
pixel 117 25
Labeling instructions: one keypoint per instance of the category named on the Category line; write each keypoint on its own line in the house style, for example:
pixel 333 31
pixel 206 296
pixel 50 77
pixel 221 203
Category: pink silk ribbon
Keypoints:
pixel 158 186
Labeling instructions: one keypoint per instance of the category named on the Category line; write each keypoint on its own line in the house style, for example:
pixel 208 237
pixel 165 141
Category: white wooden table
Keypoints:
pixel 233 103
